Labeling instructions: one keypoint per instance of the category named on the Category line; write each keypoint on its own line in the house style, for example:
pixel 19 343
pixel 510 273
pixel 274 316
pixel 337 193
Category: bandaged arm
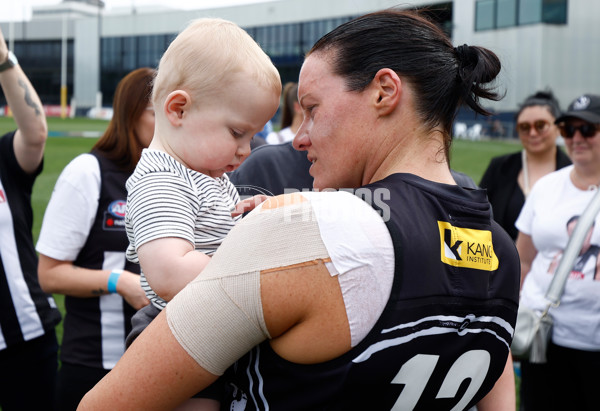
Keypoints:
pixel 219 317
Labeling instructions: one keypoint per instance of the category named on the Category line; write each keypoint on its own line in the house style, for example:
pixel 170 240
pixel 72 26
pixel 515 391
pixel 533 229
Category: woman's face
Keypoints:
pixel 583 151
pixel 335 128
pixel 145 126
pixel 536 129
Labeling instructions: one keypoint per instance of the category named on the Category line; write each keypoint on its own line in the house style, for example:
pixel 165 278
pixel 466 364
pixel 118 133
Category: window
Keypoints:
pixel 485 15
pixel 530 11
pixel 554 12
pixel 506 13
pixel 496 14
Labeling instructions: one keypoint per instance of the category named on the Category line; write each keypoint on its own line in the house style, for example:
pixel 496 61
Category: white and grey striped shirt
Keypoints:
pixel 167 199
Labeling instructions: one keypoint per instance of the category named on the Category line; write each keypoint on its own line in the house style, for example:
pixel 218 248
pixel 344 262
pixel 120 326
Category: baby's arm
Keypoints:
pixel 169 264
pixel 161 214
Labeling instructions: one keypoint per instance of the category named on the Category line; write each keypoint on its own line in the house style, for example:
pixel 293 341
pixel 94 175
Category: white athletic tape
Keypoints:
pixel 218 317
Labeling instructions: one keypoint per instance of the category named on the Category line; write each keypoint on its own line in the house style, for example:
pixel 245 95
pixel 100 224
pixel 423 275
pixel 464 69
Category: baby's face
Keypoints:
pixel 217 132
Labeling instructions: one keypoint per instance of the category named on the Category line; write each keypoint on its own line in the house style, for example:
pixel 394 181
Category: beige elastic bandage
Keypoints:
pixel 218 317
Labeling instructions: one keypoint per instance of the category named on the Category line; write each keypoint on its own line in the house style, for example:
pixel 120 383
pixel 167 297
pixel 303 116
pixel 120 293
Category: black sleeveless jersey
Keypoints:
pixel 444 336
pixel 84 342
pixel 26 311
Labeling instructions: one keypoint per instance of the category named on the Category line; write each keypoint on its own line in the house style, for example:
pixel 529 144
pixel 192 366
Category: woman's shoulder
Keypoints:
pixel 553 181
pixel 83 164
pixel 82 174
pixel 506 160
pixel 341 217
pixel 331 208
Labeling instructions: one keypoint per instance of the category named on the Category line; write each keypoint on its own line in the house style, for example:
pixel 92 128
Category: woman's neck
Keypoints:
pixel 586 178
pixel 535 166
pixel 543 157
pixel 422 156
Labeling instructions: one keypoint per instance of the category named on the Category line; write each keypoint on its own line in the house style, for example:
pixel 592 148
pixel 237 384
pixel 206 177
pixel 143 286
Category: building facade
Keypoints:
pixel 541 43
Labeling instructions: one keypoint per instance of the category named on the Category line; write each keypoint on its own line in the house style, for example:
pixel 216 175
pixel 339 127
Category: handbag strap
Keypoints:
pixel 572 250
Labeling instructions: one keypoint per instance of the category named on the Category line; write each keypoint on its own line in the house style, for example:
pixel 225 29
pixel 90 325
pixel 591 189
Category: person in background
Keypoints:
pixel 291 116
pixel 259 138
pixel 273 169
pixel 509 178
pixel 570 378
pixel 362 300
pixel 28 316
pixel 279 169
pixel 82 244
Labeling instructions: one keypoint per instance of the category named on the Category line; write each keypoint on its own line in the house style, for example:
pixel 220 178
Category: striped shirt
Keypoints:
pixel 166 199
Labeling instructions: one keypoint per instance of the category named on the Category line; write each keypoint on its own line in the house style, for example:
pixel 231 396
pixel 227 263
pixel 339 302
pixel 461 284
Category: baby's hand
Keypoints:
pixel 248 204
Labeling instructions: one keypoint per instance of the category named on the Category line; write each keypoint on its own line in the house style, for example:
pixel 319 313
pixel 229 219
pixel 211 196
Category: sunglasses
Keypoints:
pixel 540 127
pixel 587 130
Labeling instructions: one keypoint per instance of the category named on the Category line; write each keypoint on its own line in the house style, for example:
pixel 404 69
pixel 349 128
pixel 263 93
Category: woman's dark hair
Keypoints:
pixel 544 99
pixel 120 141
pixel 290 96
pixel 442 76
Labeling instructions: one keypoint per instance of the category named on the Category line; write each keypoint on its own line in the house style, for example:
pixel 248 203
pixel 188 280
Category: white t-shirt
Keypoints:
pixel 65 231
pixel 552 202
pixel 281 136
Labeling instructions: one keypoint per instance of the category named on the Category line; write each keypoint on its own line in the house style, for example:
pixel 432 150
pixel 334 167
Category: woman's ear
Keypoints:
pixel 177 103
pixel 388 88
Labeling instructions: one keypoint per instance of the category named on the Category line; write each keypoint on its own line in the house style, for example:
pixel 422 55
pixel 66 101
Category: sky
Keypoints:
pixel 11 10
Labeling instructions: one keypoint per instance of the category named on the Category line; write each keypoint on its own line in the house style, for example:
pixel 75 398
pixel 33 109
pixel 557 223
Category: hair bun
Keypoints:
pixel 466 56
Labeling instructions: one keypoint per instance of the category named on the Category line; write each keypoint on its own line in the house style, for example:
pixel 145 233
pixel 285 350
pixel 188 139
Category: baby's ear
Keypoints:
pixel 176 105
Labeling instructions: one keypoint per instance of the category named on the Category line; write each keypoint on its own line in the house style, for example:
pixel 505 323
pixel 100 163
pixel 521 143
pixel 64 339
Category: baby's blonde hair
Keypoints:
pixel 204 54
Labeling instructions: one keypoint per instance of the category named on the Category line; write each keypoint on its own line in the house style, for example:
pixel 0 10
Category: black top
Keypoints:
pixel 26 312
pixel 504 193
pixel 95 330
pixel 271 169
pixel 444 336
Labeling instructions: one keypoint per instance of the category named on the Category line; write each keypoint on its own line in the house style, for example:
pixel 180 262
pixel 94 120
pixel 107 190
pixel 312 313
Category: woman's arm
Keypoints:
pixel 527 253
pixel 62 277
pixel 503 395
pixel 30 138
pixel 303 310
pixel 155 373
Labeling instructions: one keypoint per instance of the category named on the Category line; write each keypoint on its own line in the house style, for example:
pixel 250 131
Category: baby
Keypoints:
pixel 214 90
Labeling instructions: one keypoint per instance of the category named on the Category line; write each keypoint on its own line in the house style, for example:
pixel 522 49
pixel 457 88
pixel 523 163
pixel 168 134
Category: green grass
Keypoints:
pixel 473 157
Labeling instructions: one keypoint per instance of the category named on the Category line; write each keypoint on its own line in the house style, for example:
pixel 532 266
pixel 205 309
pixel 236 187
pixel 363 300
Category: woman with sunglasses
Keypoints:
pixel 509 178
pixel 570 378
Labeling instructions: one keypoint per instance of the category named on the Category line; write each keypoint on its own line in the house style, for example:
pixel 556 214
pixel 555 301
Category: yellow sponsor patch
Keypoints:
pixel 467 247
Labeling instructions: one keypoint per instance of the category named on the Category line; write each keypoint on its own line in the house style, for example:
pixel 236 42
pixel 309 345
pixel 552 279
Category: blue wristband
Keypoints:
pixel 112 281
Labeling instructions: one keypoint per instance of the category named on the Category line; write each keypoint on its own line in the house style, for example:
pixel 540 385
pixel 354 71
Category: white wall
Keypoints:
pixel 565 58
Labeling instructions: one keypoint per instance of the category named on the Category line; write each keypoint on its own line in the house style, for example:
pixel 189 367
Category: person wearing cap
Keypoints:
pixel 570 378
pixel 509 178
